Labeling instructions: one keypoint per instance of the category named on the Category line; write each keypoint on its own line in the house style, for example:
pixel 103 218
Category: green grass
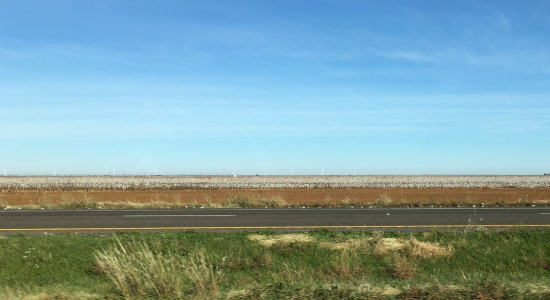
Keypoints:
pixel 475 264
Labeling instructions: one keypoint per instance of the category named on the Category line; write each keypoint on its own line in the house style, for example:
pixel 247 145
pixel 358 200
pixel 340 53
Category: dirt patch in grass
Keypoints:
pixel 291 197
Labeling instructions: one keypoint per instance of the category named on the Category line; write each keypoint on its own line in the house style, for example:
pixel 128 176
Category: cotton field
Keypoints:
pixel 265 182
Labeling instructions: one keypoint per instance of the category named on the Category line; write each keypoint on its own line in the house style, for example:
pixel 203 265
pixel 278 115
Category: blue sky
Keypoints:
pixel 385 87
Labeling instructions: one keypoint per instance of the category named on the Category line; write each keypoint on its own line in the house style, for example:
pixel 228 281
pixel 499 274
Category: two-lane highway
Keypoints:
pixel 36 221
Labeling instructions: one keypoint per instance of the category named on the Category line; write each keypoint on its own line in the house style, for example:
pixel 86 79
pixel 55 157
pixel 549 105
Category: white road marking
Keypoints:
pixel 146 216
pixel 544 213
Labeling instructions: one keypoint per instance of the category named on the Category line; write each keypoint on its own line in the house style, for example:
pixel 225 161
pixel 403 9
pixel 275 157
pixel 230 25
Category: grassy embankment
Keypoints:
pixel 474 264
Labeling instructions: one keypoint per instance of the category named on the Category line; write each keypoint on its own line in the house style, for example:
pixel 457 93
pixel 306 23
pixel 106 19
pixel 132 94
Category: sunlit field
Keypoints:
pixel 59 192
pixel 67 183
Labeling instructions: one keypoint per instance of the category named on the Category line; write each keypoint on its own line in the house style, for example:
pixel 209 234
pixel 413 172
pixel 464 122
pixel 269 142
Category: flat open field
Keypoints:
pixel 278 191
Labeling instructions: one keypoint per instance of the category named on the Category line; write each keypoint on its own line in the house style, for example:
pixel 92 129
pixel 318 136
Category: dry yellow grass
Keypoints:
pixel 412 248
pixel 385 199
pixel 379 246
pixel 333 197
pixel 386 245
pixel 139 272
pixel 399 252
pixel 427 249
pixel 364 244
pixel 269 241
pixel 238 200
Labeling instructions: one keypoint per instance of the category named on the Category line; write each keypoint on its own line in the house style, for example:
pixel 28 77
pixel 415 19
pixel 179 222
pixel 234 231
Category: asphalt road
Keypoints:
pixel 93 221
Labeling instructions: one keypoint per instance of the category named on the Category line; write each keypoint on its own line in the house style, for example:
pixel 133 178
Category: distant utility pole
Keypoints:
pixel 53 171
pixel 322 172
pixel 353 171
pixel 5 172
pixel 114 172
pixel 292 172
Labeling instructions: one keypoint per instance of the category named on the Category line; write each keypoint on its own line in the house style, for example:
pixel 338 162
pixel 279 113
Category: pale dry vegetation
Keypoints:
pixel 269 241
pixel 69 183
pixel 411 247
pixel 139 272
pixel 379 246
pixel 254 201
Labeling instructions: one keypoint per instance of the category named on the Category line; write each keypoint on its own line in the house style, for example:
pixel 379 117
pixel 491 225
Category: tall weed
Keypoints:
pixel 244 201
pixel 139 272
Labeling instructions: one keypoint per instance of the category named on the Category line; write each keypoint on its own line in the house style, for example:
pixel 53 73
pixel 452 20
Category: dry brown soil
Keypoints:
pixel 323 197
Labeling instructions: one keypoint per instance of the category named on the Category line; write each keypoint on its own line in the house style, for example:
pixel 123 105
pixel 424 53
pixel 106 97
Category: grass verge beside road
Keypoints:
pixel 246 200
pixel 473 264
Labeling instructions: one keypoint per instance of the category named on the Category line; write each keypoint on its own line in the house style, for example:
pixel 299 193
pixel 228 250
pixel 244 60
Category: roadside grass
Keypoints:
pixel 243 201
pixel 258 201
pixel 323 264
pixel 140 271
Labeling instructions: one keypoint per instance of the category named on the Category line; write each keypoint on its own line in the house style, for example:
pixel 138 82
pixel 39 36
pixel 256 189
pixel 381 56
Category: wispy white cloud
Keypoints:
pixel 408 55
